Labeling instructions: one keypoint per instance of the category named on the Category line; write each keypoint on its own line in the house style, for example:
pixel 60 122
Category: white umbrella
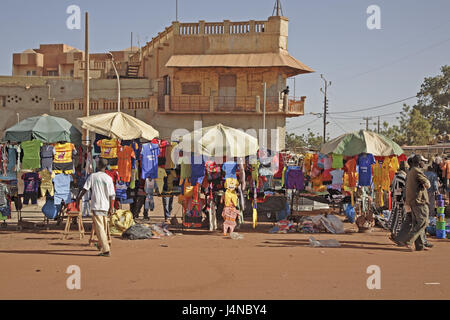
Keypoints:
pixel 118 125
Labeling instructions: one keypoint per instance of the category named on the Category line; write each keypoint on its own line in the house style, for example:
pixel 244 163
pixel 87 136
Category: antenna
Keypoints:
pixel 176 9
pixel 277 8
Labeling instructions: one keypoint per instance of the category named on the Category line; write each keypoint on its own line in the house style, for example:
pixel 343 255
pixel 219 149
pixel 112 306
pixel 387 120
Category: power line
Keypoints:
pixel 303 125
pixel 397 60
pixel 374 107
pixel 377 115
pixel 338 124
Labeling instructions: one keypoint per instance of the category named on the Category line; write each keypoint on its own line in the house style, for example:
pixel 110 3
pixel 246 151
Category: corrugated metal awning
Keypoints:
pixel 244 60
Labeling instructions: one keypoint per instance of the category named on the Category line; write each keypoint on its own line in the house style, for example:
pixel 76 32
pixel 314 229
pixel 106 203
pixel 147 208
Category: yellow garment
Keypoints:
pixel 385 180
pixel 282 176
pixel 308 161
pixel 255 168
pixel 346 182
pixel 46 182
pixel 63 152
pixel 231 183
pixel 317 184
pixel 120 221
pixel 378 175
pixel 108 148
pixel 160 180
pixel 231 199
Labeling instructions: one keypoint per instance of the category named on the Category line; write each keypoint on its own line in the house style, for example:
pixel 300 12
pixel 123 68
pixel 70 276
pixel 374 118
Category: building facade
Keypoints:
pixel 232 73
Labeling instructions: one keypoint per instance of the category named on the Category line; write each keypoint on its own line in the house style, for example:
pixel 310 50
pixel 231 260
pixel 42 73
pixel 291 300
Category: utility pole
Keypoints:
pixel 378 124
pixel 86 77
pixel 325 107
pixel 176 9
pixel 367 122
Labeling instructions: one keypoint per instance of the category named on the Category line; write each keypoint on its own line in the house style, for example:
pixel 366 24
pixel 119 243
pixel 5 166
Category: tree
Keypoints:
pixel 310 140
pixel 434 100
pixel 413 128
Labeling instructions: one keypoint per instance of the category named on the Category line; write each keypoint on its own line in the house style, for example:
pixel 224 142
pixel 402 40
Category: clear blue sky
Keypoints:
pixel 367 67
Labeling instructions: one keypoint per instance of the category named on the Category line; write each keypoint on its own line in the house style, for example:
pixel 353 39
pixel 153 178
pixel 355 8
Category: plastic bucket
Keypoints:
pixel 440 225
pixel 440 203
pixel 440 234
pixel 440 210
pixel 440 217
pixel 439 197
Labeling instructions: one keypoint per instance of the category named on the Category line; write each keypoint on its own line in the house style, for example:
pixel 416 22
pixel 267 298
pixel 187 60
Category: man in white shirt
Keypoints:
pixel 102 196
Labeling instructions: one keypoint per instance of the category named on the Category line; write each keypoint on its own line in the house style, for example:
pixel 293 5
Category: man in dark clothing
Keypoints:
pixel 417 203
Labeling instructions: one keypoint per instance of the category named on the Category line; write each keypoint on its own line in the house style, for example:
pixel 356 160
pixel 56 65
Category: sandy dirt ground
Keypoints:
pixel 198 264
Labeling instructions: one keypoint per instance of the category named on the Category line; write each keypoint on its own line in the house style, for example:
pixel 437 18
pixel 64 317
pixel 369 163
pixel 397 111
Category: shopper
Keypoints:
pixel 102 196
pixel 167 205
pixel 417 203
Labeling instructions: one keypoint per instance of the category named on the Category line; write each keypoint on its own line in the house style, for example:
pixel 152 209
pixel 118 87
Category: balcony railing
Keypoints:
pixel 110 105
pixel 186 103
pixel 229 104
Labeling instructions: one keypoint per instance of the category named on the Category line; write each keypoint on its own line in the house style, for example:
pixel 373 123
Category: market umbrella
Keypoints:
pixel 219 140
pixel 118 125
pixel 362 141
pixel 45 128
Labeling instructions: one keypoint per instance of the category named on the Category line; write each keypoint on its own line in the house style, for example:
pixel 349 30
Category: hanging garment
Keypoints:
pixel 350 169
pixel 4 193
pixel 160 179
pixel 46 182
pixel 31 154
pixel 121 190
pixel 124 155
pixel 12 158
pixel 338 161
pixel 171 177
pixel 114 176
pixel 149 188
pixel 62 159
pixel 149 158
pixel 338 179
pixel 62 188
pixel 47 153
pixel 295 178
pixel 365 162
pixel 109 151
pixel 197 169
pixel 4 158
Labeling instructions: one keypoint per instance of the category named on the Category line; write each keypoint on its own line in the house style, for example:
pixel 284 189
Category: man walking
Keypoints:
pixel 417 203
pixel 102 195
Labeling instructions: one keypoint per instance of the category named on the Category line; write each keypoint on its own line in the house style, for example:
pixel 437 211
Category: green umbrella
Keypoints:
pixel 45 128
pixel 362 141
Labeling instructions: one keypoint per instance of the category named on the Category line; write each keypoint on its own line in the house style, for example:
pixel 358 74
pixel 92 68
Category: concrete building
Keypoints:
pixel 207 71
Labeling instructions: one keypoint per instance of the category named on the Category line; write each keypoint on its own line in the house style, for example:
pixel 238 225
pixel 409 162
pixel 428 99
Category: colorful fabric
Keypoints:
pixel 47 153
pixel 338 161
pixel 31 154
pixel 230 169
pixel 338 178
pixel 63 152
pixel 46 182
pixel 365 163
pixel 124 155
pixel 149 158
pixel 62 188
pixel 160 179
pixel 108 148
pixel 4 192
pixel 31 181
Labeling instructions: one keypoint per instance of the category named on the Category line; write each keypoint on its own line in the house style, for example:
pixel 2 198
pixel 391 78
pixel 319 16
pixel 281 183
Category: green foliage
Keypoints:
pixel 430 116
pixel 434 100
pixel 310 140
